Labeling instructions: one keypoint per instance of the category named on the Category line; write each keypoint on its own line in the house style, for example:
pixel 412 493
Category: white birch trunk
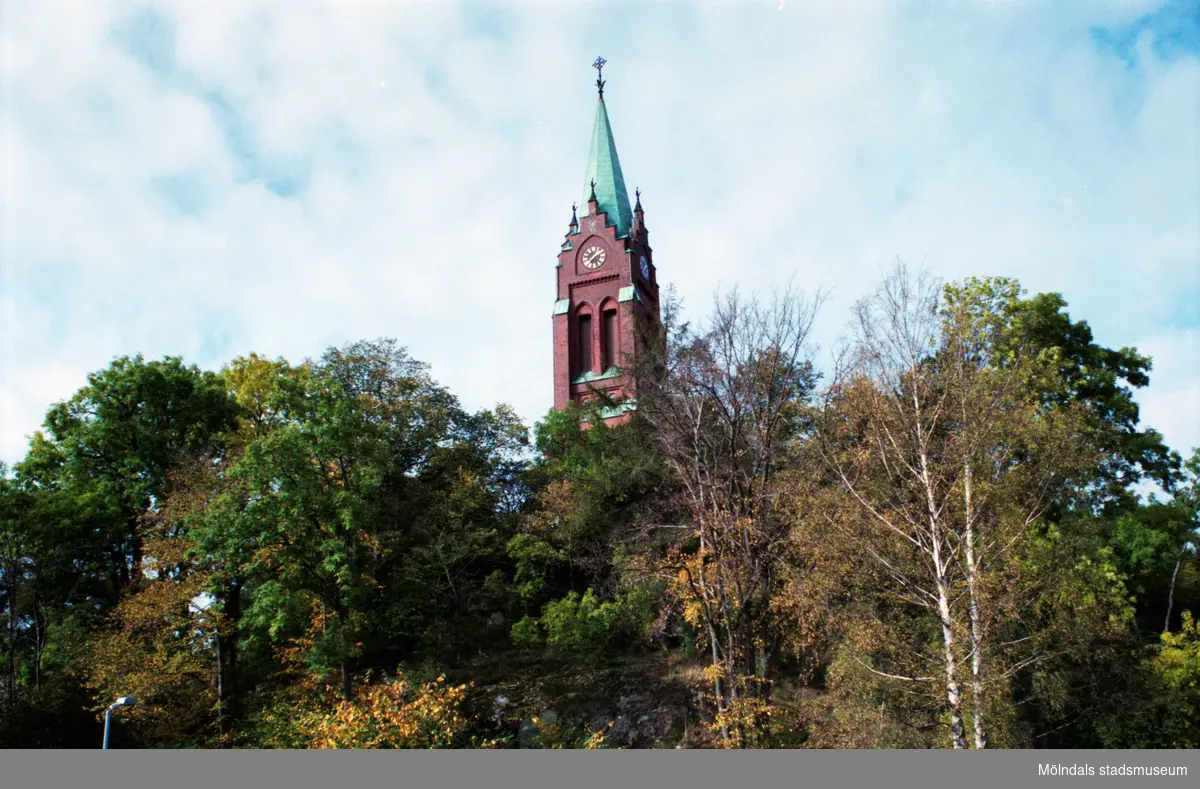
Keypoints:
pixel 953 694
pixel 977 713
pixel 1171 593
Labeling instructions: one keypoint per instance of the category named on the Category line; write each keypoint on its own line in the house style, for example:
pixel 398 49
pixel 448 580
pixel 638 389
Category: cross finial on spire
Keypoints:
pixel 593 197
pixel 599 66
pixel 637 193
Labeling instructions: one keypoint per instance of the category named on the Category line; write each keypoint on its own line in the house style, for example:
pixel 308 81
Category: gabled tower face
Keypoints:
pixel 606 283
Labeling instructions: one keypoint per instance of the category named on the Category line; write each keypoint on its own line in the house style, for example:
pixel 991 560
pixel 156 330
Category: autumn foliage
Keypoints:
pixel 945 539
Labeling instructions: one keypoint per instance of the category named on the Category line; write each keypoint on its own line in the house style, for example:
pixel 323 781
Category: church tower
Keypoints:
pixel 606 282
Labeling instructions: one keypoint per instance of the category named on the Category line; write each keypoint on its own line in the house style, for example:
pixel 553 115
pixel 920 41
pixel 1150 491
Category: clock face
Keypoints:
pixel 593 257
pixel 645 268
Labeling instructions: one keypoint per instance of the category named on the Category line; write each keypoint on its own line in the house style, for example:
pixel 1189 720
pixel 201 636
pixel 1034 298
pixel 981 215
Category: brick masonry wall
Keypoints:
pixel 599 289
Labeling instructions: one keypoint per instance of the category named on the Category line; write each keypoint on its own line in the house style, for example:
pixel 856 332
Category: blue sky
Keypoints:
pixel 211 179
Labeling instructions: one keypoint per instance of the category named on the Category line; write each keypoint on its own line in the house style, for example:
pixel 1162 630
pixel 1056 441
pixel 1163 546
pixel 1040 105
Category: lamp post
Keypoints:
pixel 124 701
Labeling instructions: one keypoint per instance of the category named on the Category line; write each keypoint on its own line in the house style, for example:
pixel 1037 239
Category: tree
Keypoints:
pixel 80 497
pixel 1099 379
pixel 365 504
pixel 1186 534
pixel 159 645
pixel 308 507
pixel 725 403
pixel 113 444
pixel 949 458
pixel 597 487
pixel 15 578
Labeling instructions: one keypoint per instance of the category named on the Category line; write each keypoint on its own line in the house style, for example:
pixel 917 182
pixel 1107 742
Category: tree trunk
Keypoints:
pixel 135 570
pixel 10 669
pixel 1171 593
pixel 347 687
pixel 718 690
pixel 137 549
pixel 38 646
pixel 227 669
pixel 219 665
pixel 953 695
pixel 977 713
pixel 233 679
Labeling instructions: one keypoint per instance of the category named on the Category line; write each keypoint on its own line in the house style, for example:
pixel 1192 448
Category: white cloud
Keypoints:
pixel 1172 402
pixel 432 150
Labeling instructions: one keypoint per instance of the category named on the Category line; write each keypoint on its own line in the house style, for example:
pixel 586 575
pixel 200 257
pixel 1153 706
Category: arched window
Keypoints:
pixel 584 339
pixel 609 342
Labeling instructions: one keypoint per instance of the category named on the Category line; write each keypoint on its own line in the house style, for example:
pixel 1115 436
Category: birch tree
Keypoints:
pixel 949 456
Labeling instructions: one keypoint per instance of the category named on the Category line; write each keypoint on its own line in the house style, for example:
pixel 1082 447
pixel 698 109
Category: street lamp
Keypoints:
pixel 124 701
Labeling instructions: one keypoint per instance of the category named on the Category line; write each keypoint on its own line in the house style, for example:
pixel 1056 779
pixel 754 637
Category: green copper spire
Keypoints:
pixel 605 169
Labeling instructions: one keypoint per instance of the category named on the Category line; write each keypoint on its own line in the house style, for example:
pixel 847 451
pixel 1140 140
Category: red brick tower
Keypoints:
pixel 606 282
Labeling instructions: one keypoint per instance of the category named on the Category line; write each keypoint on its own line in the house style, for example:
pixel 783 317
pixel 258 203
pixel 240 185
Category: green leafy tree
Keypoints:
pixel 1102 380
pixel 112 445
pixel 89 481
pixel 366 508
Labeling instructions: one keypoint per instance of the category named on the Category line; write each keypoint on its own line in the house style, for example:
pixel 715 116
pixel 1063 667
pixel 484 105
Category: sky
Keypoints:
pixel 213 179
